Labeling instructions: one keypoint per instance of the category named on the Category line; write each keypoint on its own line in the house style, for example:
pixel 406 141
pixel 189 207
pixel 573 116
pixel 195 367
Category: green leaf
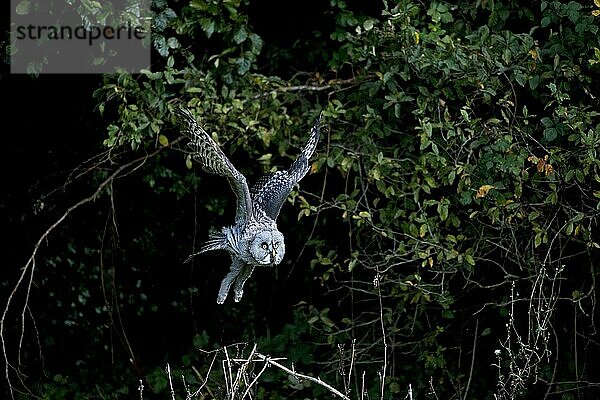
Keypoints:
pixel 538 239
pixel 569 228
pixel 465 115
pixel 443 211
pixel 520 78
pixel 208 26
pixel 173 43
pixel 240 35
pixel 470 260
pixel 265 158
pixel 547 122
pixel 160 45
pixel 550 134
pixel 303 212
pixel 534 81
pixel 552 198
pixel 545 21
pixel 162 139
pixel 327 321
pixel 365 215
pixel 243 65
pixel 351 265
pixel 23 7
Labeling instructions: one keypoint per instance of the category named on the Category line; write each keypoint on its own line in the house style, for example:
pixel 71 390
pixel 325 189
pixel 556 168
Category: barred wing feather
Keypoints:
pixel 270 191
pixel 214 161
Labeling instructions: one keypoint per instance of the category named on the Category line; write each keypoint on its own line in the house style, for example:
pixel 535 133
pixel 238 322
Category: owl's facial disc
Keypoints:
pixel 268 248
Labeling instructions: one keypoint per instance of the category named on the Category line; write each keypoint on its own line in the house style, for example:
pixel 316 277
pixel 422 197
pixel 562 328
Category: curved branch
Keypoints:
pixel 29 267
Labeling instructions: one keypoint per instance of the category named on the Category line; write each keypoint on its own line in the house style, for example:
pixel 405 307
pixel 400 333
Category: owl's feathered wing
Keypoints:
pixel 214 161
pixel 270 191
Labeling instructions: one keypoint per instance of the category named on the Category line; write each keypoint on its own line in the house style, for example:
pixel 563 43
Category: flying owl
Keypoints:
pixel 254 239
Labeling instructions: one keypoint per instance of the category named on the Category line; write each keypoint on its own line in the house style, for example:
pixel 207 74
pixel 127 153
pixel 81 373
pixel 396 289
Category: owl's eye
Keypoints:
pixel 275 245
pixel 264 245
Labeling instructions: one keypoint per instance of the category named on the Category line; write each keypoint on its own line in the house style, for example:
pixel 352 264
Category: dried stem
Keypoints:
pixel 29 269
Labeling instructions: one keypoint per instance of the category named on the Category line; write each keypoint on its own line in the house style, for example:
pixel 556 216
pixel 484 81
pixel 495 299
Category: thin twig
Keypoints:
pixel 362 387
pixel 247 391
pixel 352 357
pixel 304 88
pixel 432 388
pixel 385 345
pixel 141 390
pixel 472 359
pixel 204 380
pixel 298 375
pixel 228 374
pixel 29 267
pixel 242 370
pixel 170 382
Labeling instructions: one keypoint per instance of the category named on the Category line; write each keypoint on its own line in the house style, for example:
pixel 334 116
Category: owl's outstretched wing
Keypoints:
pixel 270 192
pixel 214 161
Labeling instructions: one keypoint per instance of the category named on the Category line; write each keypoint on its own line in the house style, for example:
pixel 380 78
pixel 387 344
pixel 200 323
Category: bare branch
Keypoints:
pixel 298 375
pixel 29 269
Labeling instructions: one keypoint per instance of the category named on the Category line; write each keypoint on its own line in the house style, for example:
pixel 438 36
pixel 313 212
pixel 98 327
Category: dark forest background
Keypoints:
pixel 443 246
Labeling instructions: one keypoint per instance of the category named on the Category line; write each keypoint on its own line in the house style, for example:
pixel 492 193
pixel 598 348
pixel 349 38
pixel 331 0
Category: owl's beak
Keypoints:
pixel 273 256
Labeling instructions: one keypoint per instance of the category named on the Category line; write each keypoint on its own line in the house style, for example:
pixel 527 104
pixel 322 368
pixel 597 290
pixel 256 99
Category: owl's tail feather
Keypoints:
pixel 216 241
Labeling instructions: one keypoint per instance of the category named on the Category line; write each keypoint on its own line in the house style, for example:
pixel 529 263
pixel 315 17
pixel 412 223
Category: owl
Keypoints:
pixel 253 240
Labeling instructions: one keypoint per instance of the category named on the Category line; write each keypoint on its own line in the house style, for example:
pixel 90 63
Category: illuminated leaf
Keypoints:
pixel 351 265
pixel 470 260
pixel 569 229
pixel 538 239
pixel 443 211
pixel 23 7
pixel 265 158
pixel 162 139
pixel 533 53
pixel 483 191
pixel 314 167
pixel 303 212
pixel 364 214
pixel 240 36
